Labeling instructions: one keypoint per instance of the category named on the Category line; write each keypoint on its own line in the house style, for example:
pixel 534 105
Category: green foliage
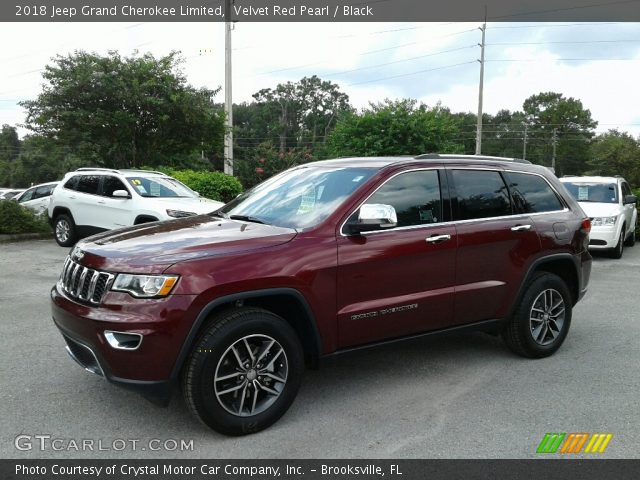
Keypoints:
pixel 16 219
pixel 616 153
pixel 291 115
pixel 266 161
pixel 213 185
pixel 120 112
pixel 395 128
pixel 574 129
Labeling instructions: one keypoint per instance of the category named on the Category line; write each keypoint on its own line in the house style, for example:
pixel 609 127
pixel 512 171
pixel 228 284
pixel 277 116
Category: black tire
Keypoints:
pixel 631 240
pixel 64 230
pixel 213 358
pixel 616 252
pixel 520 332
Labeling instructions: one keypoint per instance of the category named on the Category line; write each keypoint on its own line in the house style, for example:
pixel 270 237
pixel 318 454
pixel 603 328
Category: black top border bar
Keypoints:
pixel 319 10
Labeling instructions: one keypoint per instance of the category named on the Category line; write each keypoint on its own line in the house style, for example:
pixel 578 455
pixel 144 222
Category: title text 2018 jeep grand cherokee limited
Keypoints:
pixel 322 258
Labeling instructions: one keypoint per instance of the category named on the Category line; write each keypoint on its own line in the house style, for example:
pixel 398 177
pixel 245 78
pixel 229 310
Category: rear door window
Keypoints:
pixel 72 183
pixel 532 193
pixel 89 184
pixel 480 194
pixel 44 191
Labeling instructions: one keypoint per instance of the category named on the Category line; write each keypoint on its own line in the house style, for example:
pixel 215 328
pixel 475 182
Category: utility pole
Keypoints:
pixel 228 98
pixel 479 127
pixel 554 141
pixel 524 146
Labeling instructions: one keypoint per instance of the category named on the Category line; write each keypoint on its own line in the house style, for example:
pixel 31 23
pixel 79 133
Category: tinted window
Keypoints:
pixel 593 192
pixel 88 184
pixel 481 194
pixel 532 194
pixel 72 183
pixel 626 190
pixel 414 195
pixel 110 185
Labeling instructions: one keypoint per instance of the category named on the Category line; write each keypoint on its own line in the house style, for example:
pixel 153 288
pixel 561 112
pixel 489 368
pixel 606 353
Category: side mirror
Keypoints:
pixel 121 194
pixel 374 216
pixel 630 199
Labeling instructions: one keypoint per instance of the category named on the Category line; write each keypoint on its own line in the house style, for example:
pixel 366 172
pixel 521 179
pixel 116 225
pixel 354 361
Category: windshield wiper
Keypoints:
pixel 246 218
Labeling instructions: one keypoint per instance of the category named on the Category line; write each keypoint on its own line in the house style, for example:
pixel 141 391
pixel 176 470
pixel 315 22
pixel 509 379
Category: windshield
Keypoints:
pixel 160 187
pixel 298 198
pixel 593 192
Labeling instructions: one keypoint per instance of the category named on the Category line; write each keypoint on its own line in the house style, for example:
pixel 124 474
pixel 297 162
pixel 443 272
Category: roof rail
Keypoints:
pixel 146 171
pixel 93 169
pixel 455 156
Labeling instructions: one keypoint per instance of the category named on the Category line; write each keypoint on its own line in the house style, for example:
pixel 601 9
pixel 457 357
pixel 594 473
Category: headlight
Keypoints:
pixel 604 221
pixel 145 286
pixel 179 213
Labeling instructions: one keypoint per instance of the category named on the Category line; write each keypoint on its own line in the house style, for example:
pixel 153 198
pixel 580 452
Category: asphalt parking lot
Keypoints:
pixel 463 396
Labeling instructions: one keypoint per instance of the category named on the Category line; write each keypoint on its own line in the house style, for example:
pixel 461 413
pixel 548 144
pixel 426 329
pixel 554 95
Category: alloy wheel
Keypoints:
pixel 251 375
pixel 546 317
pixel 62 230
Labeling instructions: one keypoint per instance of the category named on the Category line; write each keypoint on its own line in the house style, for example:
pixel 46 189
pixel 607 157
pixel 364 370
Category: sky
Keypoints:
pixel 598 63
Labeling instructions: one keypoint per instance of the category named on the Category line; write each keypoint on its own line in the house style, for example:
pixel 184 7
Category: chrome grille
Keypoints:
pixel 83 283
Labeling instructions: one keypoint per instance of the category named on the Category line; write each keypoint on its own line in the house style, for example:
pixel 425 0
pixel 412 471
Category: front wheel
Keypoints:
pixel 541 321
pixel 631 241
pixel 64 230
pixel 244 372
pixel 616 252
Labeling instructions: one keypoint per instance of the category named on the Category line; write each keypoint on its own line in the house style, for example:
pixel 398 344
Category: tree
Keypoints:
pixel 573 127
pixel 301 114
pixel 395 128
pixel 120 112
pixel 616 153
pixel 9 151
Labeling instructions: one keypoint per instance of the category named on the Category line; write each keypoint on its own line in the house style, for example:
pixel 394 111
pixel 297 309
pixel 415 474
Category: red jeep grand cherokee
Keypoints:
pixel 323 258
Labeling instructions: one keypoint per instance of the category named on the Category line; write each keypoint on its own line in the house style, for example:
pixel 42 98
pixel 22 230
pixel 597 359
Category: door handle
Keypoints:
pixel 72 197
pixel 520 228
pixel 438 238
pixel 101 202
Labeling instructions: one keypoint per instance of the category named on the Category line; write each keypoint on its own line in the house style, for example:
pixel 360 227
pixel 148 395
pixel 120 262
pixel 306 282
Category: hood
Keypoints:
pixel 151 248
pixel 594 209
pixel 195 205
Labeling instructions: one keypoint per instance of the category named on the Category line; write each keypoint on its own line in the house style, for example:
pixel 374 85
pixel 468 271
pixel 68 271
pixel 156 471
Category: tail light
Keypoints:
pixel 585 226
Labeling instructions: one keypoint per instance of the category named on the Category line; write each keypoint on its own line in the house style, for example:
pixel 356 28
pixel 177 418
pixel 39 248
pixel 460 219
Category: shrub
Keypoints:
pixel 17 219
pixel 213 185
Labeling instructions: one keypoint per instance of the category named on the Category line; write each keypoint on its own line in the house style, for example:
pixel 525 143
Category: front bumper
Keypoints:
pixel 603 238
pixel 163 324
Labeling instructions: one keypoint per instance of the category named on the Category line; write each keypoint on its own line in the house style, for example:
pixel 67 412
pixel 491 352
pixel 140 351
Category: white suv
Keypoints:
pixel 37 197
pixel 91 200
pixel 609 203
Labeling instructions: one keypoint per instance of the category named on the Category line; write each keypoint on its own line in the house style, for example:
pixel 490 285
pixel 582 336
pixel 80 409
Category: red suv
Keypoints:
pixel 323 258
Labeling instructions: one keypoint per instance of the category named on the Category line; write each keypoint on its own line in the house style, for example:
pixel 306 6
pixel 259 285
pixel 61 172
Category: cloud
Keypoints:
pixel 405 60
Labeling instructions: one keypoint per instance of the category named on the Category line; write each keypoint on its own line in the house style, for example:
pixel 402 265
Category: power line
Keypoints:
pixel 565 9
pixel 565 42
pixel 343 72
pixel 411 73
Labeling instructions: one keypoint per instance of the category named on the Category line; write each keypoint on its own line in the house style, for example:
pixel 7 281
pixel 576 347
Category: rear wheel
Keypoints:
pixel 244 372
pixel 616 252
pixel 64 230
pixel 541 322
